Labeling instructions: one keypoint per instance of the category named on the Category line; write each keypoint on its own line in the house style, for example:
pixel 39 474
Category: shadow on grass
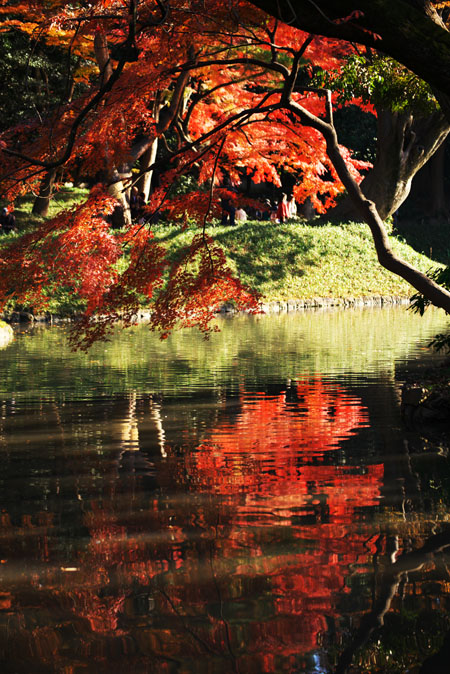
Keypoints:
pixel 427 236
pixel 169 235
pixel 263 252
pixel 266 251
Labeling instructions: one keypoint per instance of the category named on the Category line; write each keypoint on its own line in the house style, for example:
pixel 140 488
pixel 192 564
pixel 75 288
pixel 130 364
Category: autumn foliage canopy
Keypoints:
pixel 221 89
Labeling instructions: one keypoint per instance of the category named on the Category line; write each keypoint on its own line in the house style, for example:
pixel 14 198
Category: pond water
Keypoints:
pixel 252 503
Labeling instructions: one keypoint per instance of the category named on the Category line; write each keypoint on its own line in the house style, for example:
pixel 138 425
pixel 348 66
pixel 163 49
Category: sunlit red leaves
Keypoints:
pixel 128 291
pixel 125 112
pixel 199 283
pixel 229 107
pixel 75 250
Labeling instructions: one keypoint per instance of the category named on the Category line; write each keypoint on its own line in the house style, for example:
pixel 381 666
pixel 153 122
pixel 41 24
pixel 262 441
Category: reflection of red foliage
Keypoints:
pixel 265 450
pixel 269 532
pixel 270 460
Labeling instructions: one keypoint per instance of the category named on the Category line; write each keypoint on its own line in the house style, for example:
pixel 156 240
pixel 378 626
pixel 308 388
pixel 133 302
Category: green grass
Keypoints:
pixel 64 199
pixel 294 260
pixel 302 261
pixel 428 236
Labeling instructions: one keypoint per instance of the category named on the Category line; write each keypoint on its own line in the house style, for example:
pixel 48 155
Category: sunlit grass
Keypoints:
pixel 64 199
pixel 302 261
pixel 295 260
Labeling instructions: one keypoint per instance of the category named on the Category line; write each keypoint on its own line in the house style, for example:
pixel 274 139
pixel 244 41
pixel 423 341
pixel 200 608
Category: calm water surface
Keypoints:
pixel 252 503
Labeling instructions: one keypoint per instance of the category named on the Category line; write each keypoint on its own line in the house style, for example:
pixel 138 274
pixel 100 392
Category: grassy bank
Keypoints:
pixel 300 261
pixel 296 260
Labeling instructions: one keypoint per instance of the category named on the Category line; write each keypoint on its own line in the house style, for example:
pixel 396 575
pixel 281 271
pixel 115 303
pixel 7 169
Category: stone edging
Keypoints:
pixel 280 306
pixel 276 306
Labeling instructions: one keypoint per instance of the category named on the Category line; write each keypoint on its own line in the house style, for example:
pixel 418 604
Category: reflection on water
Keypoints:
pixel 247 504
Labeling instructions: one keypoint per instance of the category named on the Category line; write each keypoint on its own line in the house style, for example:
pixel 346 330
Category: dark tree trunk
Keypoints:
pixel 428 187
pixel 409 31
pixel 436 294
pixel 42 201
pixel 404 144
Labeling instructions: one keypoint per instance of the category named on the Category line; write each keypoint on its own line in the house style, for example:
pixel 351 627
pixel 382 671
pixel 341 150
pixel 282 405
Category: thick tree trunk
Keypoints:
pixel 164 115
pixel 436 294
pixel 438 201
pixel 42 201
pixel 428 188
pixel 146 161
pixel 102 55
pixel 115 183
pixel 117 190
pixel 404 145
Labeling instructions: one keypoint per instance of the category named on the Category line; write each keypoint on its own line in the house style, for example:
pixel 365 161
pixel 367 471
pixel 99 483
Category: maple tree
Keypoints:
pixel 226 91
pixel 407 135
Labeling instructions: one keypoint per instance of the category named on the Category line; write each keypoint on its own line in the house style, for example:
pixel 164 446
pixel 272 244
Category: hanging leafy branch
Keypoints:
pixel 193 78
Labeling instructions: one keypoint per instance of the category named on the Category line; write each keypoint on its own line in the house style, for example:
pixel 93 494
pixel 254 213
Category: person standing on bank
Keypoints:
pixel 7 221
pixel 283 209
pixel 292 207
pixel 228 211
pixel 241 215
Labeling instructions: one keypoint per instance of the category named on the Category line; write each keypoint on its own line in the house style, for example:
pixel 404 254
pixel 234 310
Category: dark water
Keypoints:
pixel 249 504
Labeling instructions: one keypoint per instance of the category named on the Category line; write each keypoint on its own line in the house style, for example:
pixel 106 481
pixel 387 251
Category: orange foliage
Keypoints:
pixel 212 80
pixel 273 534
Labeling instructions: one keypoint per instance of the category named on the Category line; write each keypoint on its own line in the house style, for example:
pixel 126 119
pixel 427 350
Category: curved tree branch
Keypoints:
pixel 410 33
pixel 391 578
pixel 386 256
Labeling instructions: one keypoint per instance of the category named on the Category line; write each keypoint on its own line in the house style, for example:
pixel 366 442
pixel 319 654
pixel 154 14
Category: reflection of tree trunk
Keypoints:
pixel 129 427
pixel 404 144
pixel 42 201
pixel 155 414
pixel 390 580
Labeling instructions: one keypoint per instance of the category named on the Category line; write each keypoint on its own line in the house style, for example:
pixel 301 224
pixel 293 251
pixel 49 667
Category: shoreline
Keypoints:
pixel 270 307
pixel 279 306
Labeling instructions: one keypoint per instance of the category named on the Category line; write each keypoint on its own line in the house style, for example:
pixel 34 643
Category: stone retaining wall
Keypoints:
pixel 280 306
pixel 277 306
